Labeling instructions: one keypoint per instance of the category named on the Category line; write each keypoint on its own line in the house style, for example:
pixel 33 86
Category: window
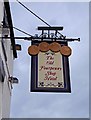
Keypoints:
pixel 4 30
pixel 2 71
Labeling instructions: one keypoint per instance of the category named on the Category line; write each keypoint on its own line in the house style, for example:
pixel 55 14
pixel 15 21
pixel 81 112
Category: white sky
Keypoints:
pixel 75 19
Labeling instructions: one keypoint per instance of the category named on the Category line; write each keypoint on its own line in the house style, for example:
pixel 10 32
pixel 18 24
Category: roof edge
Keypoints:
pixel 7 8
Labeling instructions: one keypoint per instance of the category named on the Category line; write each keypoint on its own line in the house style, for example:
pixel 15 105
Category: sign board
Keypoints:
pixel 50 71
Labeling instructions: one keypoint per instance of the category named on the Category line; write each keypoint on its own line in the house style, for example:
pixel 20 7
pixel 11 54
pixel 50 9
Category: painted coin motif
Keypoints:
pixel 65 50
pixel 33 50
pixel 44 46
pixel 55 47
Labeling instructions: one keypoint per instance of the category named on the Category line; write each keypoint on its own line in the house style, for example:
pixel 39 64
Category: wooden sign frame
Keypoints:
pixel 34 73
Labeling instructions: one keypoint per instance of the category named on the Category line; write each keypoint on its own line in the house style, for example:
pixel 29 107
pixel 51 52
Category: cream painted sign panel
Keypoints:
pixel 50 70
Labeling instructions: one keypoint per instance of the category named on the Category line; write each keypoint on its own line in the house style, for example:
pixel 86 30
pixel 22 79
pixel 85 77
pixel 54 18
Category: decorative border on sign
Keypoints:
pixel 59 84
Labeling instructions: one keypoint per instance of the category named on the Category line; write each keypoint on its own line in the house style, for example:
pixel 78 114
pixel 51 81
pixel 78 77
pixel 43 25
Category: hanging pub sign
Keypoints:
pixel 50 66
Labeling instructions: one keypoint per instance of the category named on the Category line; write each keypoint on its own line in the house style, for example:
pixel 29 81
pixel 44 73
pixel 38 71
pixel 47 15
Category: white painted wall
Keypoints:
pixel 1 10
pixel 5 87
pixel 1 18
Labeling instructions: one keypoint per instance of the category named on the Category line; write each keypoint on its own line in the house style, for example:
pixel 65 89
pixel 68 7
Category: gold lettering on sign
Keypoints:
pixel 50 70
